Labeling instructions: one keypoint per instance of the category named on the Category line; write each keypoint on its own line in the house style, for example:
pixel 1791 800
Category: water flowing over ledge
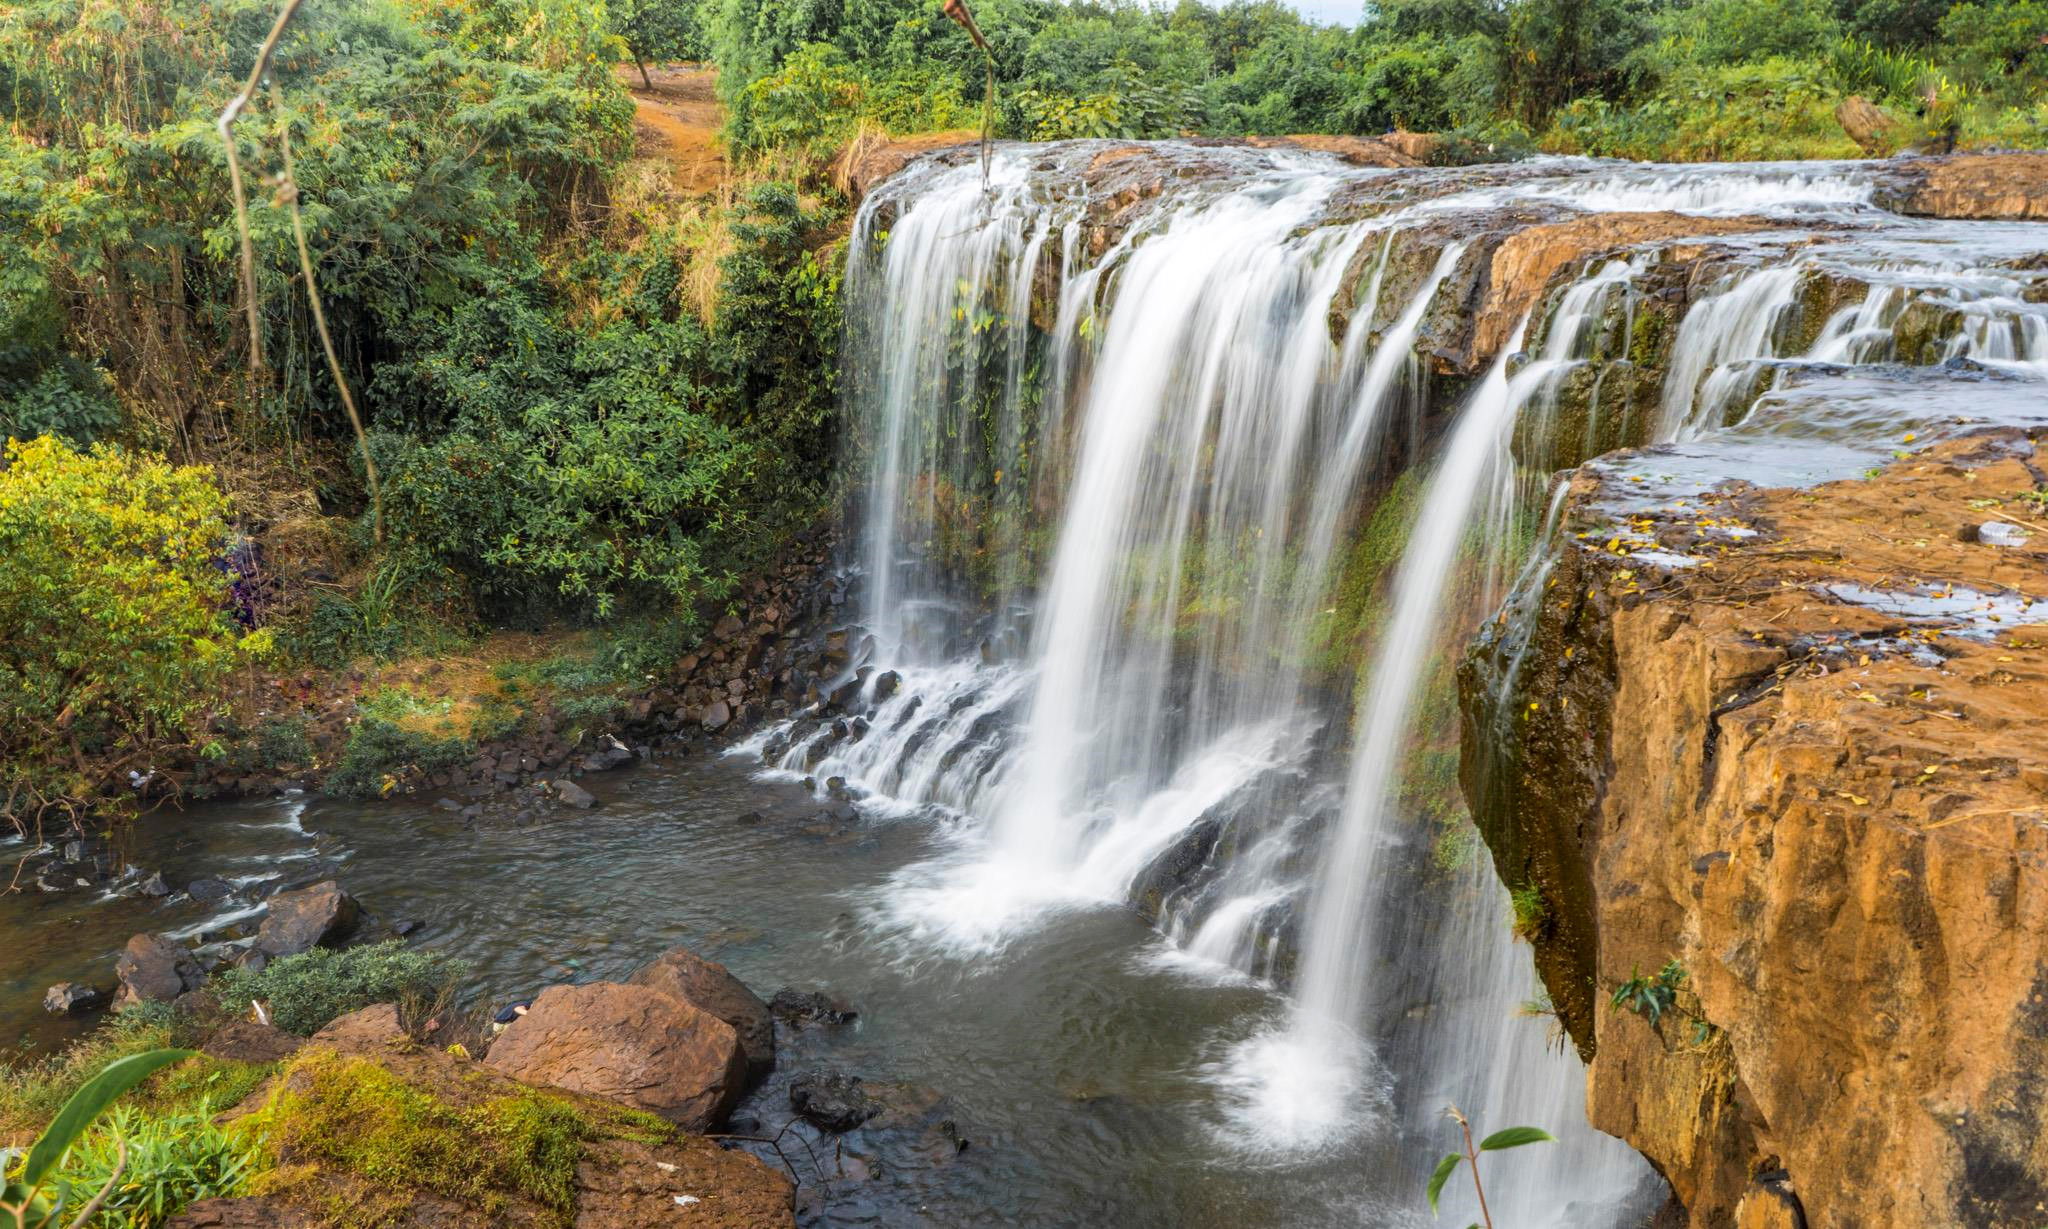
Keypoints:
pixel 1188 470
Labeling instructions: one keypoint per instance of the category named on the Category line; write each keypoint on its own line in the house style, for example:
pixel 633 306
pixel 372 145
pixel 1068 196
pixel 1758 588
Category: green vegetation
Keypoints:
pixel 306 992
pixel 1530 912
pixel 163 1162
pixel 587 396
pixel 1499 1141
pixel 1680 79
pixel 111 622
pixel 1650 997
pixel 33 1089
pixel 37 1192
pixel 355 1117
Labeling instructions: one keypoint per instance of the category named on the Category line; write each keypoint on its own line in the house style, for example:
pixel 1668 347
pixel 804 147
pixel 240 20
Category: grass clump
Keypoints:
pixel 1531 913
pixel 351 1115
pixel 380 753
pixel 308 991
pixel 33 1089
pixel 171 1160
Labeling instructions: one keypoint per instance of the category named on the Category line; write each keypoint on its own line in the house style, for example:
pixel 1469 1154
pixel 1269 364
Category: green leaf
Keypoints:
pixel 1515 1137
pixel 86 1104
pixel 1442 1175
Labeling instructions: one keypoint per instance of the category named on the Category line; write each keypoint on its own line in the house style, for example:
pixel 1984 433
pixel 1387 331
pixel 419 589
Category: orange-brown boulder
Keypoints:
pixel 632 1044
pixel 1979 186
pixel 707 986
pixel 1867 124
pixel 1358 151
pixel 1526 261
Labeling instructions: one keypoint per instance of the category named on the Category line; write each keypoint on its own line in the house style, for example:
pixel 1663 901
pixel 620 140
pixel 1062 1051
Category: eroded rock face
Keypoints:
pixel 1984 186
pixel 300 921
pixel 707 986
pixel 153 968
pixel 631 1044
pixel 1814 779
pixel 1526 261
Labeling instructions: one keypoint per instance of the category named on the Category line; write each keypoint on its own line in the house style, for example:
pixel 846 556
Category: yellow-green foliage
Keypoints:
pixel 111 623
pixel 354 1116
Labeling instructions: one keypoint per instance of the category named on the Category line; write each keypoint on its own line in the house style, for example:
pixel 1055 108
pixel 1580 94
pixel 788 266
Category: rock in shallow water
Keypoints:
pixel 68 998
pixel 802 1007
pixel 319 916
pixel 574 795
pixel 708 986
pixel 831 1100
pixel 154 969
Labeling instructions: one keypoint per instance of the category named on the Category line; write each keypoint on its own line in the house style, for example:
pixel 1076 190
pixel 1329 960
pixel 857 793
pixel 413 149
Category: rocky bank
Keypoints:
pixel 1771 764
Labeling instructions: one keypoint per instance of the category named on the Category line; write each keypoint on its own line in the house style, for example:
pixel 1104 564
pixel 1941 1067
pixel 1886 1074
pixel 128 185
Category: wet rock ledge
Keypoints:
pixel 1772 764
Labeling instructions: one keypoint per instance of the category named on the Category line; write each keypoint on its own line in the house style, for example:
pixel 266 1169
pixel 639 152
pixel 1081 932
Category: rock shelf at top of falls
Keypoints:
pixel 1789 739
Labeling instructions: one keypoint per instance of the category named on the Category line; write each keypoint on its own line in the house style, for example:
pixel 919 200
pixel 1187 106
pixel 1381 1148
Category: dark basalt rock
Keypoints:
pixel 320 916
pixel 831 1100
pixel 154 969
pixel 798 1008
pixel 208 888
pixel 574 795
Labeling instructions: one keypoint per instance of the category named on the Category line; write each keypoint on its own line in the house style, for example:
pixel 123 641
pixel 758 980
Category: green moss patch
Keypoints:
pixel 509 1154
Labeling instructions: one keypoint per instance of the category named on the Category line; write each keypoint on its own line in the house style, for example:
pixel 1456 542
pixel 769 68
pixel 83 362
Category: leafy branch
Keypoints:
pixel 1499 1141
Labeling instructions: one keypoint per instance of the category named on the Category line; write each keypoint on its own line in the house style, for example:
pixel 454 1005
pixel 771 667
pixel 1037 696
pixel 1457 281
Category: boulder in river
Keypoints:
pixel 801 1007
pixel 320 916
pixel 208 888
pixel 154 969
pixel 632 1044
pixel 831 1100
pixel 708 986
pixel 68 998
pixel 574 795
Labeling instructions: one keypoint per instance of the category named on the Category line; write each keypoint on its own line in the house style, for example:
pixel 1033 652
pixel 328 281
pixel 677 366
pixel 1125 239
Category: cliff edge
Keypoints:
pixel 1766 767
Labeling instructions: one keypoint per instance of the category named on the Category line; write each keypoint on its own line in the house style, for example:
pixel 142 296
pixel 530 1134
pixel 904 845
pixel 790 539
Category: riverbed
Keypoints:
pixel 1078 1066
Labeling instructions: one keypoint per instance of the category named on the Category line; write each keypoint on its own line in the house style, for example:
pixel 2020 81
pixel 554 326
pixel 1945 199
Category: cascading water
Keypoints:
pixel 1123 449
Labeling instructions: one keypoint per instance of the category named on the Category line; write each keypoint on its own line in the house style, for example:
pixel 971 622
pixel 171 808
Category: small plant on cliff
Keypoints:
pixel 1650 997
pixel 1531 913
pixel 1499 1141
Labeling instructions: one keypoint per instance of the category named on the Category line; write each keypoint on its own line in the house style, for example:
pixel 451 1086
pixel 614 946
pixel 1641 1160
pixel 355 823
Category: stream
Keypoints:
pixel 1075 1068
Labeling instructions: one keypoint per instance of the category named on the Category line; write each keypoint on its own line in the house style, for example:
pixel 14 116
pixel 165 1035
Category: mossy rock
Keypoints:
pixel 368 1130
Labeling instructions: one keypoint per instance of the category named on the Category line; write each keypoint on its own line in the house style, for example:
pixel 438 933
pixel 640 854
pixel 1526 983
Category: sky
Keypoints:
pixel 1340 12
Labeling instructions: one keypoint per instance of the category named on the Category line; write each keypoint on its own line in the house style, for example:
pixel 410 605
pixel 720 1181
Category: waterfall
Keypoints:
pixel 1170 541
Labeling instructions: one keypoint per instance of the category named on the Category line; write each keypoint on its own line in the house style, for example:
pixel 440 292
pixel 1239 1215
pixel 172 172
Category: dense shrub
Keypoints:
pixel 111 625
pixel 308 991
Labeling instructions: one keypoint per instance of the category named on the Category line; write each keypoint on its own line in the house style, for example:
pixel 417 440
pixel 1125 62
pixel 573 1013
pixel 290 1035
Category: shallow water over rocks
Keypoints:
pixel 1073 1068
